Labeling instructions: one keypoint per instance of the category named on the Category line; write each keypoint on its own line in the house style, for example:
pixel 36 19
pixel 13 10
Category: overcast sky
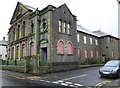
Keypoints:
pixel 91 14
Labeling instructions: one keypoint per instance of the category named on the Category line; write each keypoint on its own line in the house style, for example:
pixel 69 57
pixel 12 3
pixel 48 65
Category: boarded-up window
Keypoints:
pixel 78 52
pixel 12 52
pixel 17 51
pixel 96 53
pixel 32 49
pixel 86 53
pixel 91 53
pixel 23 50
pixel 69 48
pixel 60 47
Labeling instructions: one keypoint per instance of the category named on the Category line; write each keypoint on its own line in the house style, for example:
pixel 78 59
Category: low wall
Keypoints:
pixel 63 66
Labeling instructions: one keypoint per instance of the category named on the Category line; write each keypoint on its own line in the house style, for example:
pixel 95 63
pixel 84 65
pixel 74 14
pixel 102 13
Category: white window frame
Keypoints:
pixel 96 42
pixel 78 38
pixel 60 26
pixel 85 40
pixel 68 28
pixel 91 41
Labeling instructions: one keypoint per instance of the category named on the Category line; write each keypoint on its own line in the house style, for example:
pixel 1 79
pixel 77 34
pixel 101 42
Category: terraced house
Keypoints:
pixel 51 37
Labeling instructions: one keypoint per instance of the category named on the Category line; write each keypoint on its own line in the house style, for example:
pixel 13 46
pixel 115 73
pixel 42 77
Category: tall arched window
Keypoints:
pixel 12 53
pixel 60 47
pixel 23 50
pixel 23 28
pixel 60 25
pixel 96 53
pixel 91 53
pixel 69 48
pixel 17 51
pixel 86 53
pixel 68 28
pixel 13 34
pixel 32 49
pixel 18 31
pixel 78 53
pixel 32 26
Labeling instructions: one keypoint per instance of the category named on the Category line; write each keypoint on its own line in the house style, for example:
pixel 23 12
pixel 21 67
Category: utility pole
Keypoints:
pixel 118 18
pixel 119 26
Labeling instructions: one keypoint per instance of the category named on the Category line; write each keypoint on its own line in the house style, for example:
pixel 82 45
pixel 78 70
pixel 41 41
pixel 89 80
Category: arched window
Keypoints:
pixel 64 27
pixel 78 53
pixel 32 26
pixel 69 48
pixel 86 53
pixel 12 53
pixel 13 34
pixel 91 53
pixel 60 47
pixel 60 25
pixel 68 28
pixel 32 49
pixel 24 28
pixel 18 31
pixel 23 50
pixel 112 53
pixel 17 51
pixel 96 53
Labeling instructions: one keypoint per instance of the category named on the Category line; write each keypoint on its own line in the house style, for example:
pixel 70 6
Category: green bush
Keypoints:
pixel 81 62
pixel 1 61
pixel 90 61
pixel 20 62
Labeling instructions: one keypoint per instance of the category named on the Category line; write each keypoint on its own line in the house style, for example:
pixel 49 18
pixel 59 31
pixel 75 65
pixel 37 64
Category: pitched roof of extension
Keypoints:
pixel 97 33
pixel 82 29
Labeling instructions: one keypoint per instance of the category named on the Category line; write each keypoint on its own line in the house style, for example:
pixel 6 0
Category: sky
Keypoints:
pixel 91 14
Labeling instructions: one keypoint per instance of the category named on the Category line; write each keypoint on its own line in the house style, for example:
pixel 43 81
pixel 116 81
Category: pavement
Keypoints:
pixel 26 76
pixel 19 75
pixel 115 84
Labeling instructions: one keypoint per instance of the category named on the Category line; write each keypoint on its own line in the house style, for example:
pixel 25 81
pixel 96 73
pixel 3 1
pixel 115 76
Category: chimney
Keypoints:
pixel 3 38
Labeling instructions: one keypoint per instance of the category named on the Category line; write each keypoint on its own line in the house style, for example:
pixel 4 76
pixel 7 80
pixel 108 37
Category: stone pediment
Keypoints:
pixel 19 11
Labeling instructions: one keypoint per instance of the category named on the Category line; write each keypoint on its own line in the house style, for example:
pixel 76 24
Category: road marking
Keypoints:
pixel 102 83
pixel 78 84
pixel 42 80
pixel 13 76
pixel 55 82
pixel 73 77
pixel 64 84
pixel 48 81
pixel 68 82
pixel 71 85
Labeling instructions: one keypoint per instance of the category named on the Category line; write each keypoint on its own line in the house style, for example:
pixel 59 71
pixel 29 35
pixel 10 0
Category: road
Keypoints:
pixel 88 77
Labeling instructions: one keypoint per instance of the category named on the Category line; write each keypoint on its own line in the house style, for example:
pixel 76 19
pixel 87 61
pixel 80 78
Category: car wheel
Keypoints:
pixel 101 76
pixel 117 75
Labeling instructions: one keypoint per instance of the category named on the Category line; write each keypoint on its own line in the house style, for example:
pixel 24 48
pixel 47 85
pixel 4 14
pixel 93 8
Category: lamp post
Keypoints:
pixel 118 18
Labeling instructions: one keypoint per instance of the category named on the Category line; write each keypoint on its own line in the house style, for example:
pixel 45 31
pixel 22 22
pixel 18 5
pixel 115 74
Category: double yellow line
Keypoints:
pixel 26 78
pixel 102 83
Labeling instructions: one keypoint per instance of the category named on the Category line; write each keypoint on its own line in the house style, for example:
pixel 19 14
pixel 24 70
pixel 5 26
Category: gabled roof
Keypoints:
pixel 68 10
pixel 26 7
